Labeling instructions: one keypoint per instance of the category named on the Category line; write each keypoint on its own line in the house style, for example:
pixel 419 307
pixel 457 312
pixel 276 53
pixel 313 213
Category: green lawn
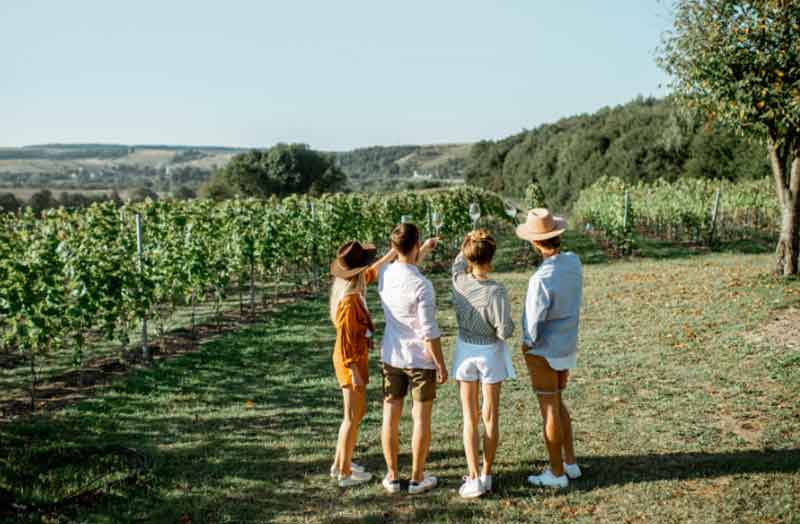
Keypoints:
pixel 685 410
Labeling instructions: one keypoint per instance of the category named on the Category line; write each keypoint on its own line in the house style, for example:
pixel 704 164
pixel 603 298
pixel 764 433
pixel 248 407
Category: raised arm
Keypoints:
pixel 385 259
pixel 427 247
pixel 371 274
pixel 459 265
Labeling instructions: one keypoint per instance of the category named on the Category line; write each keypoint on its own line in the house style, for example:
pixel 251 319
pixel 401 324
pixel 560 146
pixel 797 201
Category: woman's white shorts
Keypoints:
pixel 488 364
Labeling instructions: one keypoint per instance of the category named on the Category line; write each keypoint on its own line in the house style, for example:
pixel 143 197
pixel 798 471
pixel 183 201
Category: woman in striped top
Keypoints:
pixel 482 360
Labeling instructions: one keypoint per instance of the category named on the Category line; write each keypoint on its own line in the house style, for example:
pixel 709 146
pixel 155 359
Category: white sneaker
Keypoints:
pixel 353 467
pixel 391 486
pixel 426 484
pixel 486 482
pixel 471 488
pixel 354 479
pixel 573 471
pixel 547 479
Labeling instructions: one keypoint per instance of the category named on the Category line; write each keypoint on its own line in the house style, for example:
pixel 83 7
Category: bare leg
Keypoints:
pixel 491 424
pixel 348 431
pixel 421 438
pixel 550 406
pixel 469 408
pixel 390 437
pixel 566 427
pixel 359 407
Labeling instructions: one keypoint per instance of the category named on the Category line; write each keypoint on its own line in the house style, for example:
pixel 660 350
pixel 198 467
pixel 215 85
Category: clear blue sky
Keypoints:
pixel 334 74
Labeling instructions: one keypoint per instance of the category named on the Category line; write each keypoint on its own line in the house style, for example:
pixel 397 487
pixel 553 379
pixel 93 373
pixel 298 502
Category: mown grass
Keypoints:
pixel 683 411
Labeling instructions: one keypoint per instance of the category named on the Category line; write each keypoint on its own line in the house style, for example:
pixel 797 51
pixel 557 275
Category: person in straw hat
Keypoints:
pixel 353 269
pixel 550 318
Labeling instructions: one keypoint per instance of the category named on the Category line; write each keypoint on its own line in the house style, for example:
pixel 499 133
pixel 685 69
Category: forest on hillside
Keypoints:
pixel 643 140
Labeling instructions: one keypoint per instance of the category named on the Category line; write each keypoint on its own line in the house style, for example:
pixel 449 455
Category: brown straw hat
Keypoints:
pixel 541 225
pixel 352 258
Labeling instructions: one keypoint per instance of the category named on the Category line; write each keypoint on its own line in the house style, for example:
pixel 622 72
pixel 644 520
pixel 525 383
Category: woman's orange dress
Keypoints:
pixel 353 323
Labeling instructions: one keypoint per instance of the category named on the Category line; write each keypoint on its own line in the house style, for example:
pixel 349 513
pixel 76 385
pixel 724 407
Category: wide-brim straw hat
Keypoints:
pixel 541 225
pixel 352 258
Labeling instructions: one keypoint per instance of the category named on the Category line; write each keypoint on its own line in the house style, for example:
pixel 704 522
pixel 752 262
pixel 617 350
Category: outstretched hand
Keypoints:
pixel 430 244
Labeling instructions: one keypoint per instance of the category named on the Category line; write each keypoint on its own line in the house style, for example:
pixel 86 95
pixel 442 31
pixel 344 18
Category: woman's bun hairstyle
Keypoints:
pixel 479 247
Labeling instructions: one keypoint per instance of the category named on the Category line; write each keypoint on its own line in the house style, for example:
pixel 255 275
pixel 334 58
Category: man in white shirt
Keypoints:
pixel 412 355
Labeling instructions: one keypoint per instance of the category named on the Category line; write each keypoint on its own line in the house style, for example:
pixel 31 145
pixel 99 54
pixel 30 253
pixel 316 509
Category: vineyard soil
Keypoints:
pixel 679 415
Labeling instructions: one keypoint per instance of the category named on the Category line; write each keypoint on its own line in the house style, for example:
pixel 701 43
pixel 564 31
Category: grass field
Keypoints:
pixel 684 402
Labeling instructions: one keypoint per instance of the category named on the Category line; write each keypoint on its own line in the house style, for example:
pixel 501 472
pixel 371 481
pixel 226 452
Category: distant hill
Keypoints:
pixel 58 158
pixel 162 167
pixel 439 161
pixel 90 167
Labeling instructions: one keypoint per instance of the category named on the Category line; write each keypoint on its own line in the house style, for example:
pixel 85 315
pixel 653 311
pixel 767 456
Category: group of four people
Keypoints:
pixel 412 356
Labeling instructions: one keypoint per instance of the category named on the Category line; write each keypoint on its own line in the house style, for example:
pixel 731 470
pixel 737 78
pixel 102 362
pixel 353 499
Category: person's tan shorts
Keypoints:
pixel 396 382
pixel 544 379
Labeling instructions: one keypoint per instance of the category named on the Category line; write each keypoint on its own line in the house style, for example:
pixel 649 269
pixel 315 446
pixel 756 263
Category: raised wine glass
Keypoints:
pixel 511 211
pixel 474 214
pixel 406 219
pixel 437 219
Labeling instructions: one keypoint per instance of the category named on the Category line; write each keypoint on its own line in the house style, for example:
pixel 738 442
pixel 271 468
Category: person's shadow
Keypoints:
pixel 605 471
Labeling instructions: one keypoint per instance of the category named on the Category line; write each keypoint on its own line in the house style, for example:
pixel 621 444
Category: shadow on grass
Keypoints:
pixel 227 432
pixel 607 471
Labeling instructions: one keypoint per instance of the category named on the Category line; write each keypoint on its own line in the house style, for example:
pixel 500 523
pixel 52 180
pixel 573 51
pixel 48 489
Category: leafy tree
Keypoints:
pixel 185 193
pixel 216 188
pixel 738 63
pixel 42 200
pixel 281 170
pixel 534 196
pixel 9 203
pixel 143 193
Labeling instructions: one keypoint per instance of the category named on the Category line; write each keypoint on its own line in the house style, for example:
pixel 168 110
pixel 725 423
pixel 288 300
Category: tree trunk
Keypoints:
pixel 788 190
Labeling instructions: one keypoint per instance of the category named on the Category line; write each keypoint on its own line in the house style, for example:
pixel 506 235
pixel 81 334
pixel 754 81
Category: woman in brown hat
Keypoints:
pixel 353 269
pixel 550 318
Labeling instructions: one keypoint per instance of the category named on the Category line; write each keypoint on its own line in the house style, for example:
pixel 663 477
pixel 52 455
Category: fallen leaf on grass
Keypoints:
pixel 249 404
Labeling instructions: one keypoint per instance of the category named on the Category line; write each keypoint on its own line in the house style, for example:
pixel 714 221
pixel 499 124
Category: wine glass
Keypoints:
pixel 437 219
pixel 511 211
pixel 406 219
pixel 474 214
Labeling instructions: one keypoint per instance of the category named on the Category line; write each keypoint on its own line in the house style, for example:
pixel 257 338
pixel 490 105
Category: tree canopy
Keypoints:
pixel 280 170
pixel 737 62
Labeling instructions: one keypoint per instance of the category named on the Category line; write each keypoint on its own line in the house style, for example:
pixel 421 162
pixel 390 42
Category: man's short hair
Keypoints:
pixel 405 238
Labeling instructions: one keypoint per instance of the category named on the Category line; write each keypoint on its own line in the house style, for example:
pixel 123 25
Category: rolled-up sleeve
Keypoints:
pixel 534 313
pixel 426 311
pixel 347 322
pixel 500 311
pixel 370 275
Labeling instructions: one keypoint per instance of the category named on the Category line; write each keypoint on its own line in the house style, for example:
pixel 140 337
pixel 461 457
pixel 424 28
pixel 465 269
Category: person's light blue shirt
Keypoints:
pixel 551 313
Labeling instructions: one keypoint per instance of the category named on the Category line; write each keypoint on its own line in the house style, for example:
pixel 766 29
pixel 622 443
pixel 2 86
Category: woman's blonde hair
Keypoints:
pixel 342 287
pixel 478 247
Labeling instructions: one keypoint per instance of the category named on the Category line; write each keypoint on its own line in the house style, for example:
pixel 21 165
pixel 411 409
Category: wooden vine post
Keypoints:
pixel 140 250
